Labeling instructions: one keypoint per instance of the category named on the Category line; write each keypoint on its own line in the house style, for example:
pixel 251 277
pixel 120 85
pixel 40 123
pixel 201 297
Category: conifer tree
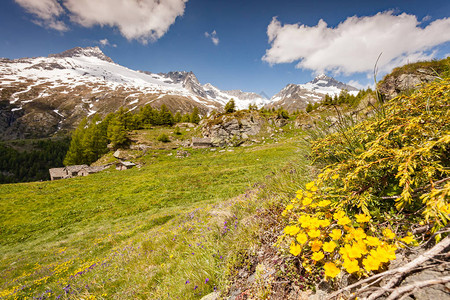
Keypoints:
pixel 195 118
pixel 230 107
pixel 75 153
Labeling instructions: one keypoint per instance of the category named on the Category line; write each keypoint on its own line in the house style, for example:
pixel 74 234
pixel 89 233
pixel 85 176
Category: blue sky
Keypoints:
pixel 177 35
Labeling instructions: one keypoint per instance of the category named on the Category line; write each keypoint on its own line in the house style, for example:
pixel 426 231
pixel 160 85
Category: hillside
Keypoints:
pixel 140 233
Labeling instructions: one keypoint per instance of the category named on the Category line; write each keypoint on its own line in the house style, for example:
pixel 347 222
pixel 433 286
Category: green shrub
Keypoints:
pixel 163 138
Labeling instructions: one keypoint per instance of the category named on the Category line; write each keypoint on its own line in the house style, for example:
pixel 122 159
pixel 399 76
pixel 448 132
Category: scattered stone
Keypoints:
pixel 212 296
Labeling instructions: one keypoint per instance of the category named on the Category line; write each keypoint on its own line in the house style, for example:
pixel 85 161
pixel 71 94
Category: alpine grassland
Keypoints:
pixel 162 231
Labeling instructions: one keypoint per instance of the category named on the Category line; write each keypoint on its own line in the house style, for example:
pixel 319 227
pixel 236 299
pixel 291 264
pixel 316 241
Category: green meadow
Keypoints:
pixel 162 231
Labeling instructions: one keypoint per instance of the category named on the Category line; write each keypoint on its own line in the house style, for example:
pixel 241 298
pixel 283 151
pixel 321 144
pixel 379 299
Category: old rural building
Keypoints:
pixel 90 170
pixel 74 171
pixel 124 165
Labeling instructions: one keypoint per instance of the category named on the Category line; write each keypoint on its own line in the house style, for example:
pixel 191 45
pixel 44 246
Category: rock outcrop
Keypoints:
pixel 232 129
pixel 393 85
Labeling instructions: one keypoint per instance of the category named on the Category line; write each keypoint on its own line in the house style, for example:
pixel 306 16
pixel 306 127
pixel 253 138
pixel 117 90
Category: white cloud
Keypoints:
pixel 46 11
pixel 354 45
pixel 143 20
pixel 359 86
pixel 213 36
pixel 104 42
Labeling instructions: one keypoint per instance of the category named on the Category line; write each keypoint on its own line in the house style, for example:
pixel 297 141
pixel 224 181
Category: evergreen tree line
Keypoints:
pixel 346 98
pixel 32 165
pixel 91 138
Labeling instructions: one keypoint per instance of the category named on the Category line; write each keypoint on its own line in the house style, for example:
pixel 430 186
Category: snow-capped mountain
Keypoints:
pixel 43 95
pixel 297 96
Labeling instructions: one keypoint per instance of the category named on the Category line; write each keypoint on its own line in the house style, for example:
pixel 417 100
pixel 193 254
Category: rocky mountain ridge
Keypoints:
pixel 297 96
pixel 54 93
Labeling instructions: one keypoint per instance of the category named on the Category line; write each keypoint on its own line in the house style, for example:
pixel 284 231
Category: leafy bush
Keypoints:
pixel 163 138
pixel 388 172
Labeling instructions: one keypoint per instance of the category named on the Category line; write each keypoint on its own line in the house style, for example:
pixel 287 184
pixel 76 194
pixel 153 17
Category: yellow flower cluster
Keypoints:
pixel 325 236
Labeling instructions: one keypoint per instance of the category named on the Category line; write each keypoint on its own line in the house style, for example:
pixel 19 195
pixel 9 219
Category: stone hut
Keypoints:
pixel 57 173
pixel 201 142
pixel 90 170
pixel 124 165
pixel 72 171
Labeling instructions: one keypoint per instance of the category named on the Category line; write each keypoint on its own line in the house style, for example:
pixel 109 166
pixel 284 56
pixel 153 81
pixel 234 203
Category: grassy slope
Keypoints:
pixel 56 235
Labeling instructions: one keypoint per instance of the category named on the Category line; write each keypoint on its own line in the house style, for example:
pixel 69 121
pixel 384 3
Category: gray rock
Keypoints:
pixel 212 296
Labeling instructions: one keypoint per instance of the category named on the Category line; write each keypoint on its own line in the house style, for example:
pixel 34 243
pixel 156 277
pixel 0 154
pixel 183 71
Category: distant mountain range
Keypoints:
pixel 297 96
pixel 44 95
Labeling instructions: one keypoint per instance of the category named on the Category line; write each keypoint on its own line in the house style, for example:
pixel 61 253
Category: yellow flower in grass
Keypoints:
pixel 295 249
pixel 314 223
pixel 359 234
pixel 306 201
pixel 408 239
pixel 313 189
pixel 291 230
pixel 372 241
pixel 289 207
pixel 336 234
pixel 329 246
pixel 331 270
pixel 313 233
pixel 371 263
pixel 324 223
pixel 324 203
pixel 355 251
pixel 315 245
pixel 284 213
pixel 317 256
pixel 351 265
pixel 335 176
pixel 309 185
pixel 388 233
pixel 302 238
pixel 344 221
pixel 362 218
pixel 384 253
pixel 339 215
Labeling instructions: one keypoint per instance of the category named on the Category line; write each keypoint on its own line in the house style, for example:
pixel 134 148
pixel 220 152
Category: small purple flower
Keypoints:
pixel 206 280
pixel 195 287
pixel 187 281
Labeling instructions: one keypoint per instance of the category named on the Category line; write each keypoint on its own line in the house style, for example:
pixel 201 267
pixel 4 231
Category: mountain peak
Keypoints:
pixel 322 77
pixel 87 51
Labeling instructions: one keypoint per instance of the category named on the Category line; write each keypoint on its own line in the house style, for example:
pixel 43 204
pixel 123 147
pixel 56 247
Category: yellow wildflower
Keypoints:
pixel 299 194
pixel 359 234
pixel 388 233
pixel 336 234
pixel 335 176
pixel 351 265
pixel 310 195
pixel 324 223
pixel 324 203
pixel 314 233
pixel 284 213
pixel 291 230
pixel 362 218
pixel 331 270
pixel 408 239
pixel 372 241
pixel 329 246
pixel 309 185
pixel 302 238
pixel 354 251
pixel 289 207
pixel 313 189
pixel 315 245
pixel 295 249
pixel 306 201
pixel 339 215
pixel 344 221
pixel 371 263
pixel 317 256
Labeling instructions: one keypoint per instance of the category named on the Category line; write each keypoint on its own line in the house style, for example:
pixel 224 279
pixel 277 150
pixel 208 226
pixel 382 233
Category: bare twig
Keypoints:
pixel 398 273
pixel 407 289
